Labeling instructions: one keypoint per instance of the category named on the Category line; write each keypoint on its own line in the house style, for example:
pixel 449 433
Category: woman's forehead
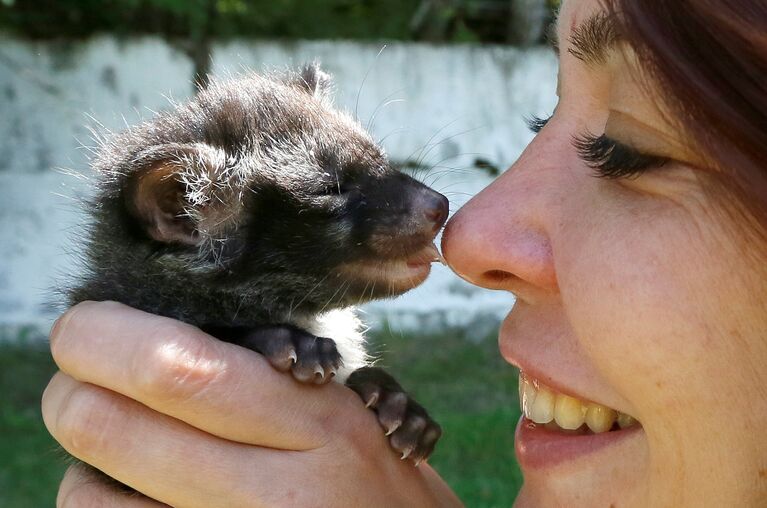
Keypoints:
pixel 569 12
pixel 575 10
pixel 574 14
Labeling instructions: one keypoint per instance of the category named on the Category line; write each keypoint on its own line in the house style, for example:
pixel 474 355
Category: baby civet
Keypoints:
pixel 262 215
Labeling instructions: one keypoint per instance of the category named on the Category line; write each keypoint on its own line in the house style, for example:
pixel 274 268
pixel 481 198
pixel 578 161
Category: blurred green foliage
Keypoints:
pixel 366 19
pixel 446 20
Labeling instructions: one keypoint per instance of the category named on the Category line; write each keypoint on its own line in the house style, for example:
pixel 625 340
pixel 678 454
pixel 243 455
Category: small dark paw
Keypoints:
pixel 411 431
pixel 311 359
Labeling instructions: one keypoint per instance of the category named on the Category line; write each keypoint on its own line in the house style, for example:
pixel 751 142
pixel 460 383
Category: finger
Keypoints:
pixel 153 453
pixel 80 487
pixel 180 465
pixel 178 370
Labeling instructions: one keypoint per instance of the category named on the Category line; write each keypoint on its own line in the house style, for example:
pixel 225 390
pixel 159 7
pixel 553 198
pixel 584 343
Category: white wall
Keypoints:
pixel 446 105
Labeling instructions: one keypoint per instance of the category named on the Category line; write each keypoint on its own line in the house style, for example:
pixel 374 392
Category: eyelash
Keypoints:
pixel 536 123
pixel 610 158
pixel 613 159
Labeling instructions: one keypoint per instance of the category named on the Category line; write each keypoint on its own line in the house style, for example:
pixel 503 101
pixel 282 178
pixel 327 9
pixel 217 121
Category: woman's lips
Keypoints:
pixel 539 447
pixel 556 427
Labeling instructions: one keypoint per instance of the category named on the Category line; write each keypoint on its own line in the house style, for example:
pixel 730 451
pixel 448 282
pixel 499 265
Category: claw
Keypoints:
pixel 406 453
pixel 393 428
pixel 293 356
pixel 319 371
pixel 373 400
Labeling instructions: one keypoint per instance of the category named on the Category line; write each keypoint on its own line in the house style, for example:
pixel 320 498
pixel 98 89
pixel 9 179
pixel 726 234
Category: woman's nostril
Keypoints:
pixel 496 278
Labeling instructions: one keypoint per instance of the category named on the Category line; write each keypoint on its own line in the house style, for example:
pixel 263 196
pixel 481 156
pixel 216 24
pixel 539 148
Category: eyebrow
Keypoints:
pixel 592 40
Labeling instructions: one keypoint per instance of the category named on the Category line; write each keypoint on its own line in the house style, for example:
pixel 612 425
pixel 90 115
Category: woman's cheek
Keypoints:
pixel 631 307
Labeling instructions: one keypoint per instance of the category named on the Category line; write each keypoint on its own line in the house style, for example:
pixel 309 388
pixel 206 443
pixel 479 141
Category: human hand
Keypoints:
pixel 191 421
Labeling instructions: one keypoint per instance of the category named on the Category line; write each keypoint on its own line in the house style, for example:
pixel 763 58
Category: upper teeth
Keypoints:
pixel 543 405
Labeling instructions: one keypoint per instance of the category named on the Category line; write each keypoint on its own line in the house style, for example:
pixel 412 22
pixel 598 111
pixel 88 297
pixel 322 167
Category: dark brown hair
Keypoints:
pixel 710 56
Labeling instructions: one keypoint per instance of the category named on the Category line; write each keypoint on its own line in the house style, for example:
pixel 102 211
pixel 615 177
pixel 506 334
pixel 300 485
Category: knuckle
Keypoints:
pixel 87 420
pixel 182 364
pixel 353 428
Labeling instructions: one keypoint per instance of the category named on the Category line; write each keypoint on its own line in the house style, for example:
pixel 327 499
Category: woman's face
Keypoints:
pixel 641 296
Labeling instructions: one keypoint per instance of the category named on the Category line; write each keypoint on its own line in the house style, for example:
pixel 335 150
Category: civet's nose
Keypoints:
pixel 435 208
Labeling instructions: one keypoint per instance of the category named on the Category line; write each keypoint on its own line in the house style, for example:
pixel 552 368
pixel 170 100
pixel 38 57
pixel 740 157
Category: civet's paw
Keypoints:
pixel 309 358
pixel 412 432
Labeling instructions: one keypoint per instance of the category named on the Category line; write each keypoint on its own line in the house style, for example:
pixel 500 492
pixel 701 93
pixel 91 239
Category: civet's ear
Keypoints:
pixel 173 193
pixel 316 81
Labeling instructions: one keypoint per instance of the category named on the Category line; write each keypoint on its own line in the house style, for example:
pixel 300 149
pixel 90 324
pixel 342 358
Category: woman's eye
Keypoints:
pixel 536 124
pixel 613 159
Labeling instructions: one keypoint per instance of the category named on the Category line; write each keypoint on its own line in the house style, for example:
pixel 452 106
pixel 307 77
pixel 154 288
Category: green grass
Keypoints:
pixel 472 393
pixel 31 464
pixel 463 382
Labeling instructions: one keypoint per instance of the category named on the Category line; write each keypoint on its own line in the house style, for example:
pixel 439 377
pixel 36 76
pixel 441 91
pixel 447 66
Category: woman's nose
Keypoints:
pixel 501 238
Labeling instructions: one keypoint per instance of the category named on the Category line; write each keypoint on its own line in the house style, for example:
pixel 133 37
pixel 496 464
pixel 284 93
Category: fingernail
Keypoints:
pixel 56 327
pixel 60 323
